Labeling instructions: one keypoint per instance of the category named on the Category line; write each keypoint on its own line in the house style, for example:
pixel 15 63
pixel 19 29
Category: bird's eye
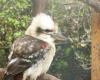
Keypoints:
pixel 48 30
pixel 39 30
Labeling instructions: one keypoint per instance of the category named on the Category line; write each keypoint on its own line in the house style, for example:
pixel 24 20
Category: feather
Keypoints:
pixel 8 77
pixel 26 52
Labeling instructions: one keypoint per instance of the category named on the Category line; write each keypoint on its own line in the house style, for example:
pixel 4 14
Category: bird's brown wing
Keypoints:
pixel 18 66
pixel 27 45
pixel 26 52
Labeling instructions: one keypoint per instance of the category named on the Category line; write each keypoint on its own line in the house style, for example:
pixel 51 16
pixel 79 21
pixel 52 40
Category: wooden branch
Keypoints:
pixel 93 3
pixel 19 77
pixel 47 77
pixel 95 37
pixel 38 6
pixel 2 70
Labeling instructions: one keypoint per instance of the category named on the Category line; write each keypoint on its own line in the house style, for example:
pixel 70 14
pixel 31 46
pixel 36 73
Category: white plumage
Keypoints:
pixel 45 22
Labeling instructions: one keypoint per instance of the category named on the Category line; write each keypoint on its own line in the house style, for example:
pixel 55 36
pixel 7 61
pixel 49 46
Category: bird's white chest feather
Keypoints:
pixel 41 67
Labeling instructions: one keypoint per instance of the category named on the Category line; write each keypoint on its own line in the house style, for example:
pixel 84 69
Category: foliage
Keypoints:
pixel 72 60
pixel 14 18
pixel 74 19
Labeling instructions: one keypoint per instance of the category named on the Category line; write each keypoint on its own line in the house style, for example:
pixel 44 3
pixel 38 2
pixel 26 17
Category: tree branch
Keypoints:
pixel 93 3
pixel 19 77
pixel 38 6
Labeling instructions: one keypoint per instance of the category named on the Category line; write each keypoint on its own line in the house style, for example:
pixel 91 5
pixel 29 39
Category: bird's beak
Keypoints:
pixel 59 38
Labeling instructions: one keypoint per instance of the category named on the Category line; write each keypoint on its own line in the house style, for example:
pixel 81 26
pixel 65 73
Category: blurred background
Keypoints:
pixel 73 58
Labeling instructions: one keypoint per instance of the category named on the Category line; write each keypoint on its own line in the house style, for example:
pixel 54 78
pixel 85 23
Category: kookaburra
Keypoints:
pixel 33 53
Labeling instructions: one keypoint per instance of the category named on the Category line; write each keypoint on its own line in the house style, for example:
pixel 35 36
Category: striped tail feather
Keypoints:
pixel 8 77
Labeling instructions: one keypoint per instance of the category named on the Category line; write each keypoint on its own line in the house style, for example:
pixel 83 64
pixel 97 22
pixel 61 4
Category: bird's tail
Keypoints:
pixel 8 77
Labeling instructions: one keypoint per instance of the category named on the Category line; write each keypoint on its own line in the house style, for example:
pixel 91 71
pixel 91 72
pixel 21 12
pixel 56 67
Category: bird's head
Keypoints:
pixel 44 28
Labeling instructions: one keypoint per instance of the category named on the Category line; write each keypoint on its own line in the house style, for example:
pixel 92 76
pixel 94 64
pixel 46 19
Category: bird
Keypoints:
pixel 33 53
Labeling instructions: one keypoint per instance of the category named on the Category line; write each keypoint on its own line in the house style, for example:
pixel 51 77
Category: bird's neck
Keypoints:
pixel 46 38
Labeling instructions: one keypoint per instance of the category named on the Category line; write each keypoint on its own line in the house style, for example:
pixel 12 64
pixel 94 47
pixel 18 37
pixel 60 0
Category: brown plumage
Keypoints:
pixel 26 46
pixel 27 51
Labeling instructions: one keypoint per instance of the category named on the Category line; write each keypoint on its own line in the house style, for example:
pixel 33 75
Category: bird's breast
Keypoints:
pixel 43 65
pixel 48 59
